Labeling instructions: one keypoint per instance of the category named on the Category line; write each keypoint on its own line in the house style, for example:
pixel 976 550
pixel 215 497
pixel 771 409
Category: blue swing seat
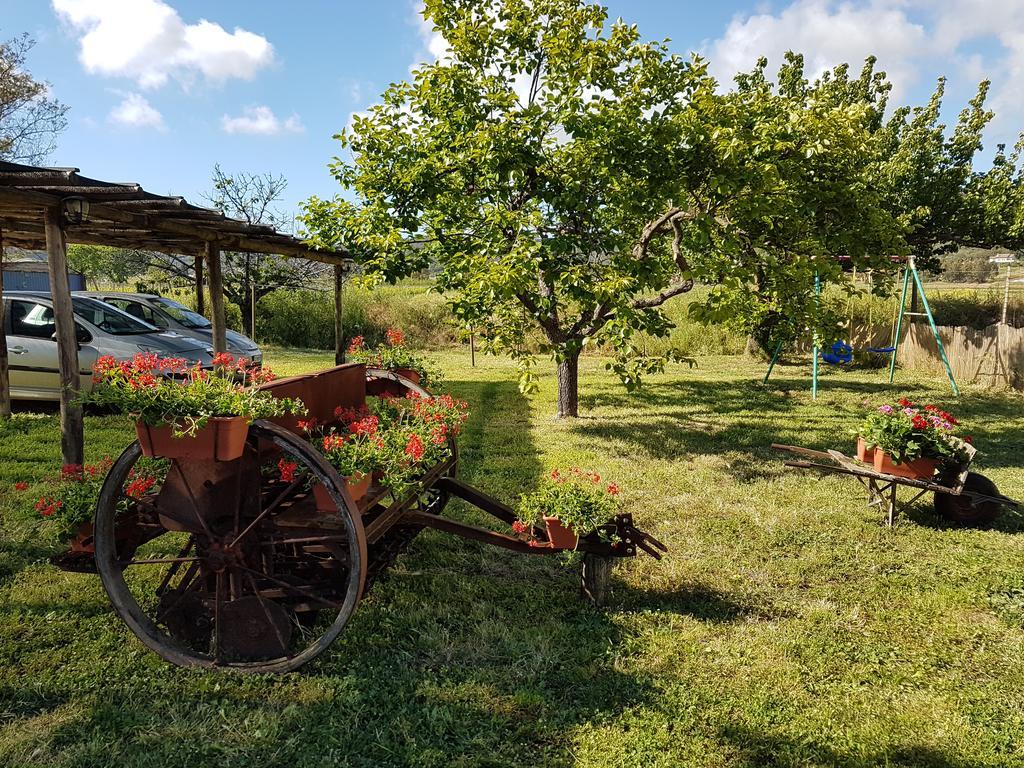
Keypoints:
pixel 841 354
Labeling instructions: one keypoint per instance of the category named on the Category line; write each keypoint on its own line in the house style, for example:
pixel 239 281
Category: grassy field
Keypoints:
pixel 788 627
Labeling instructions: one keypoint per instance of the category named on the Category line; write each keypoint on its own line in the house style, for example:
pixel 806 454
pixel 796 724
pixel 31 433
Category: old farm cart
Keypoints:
pixel 970 498
pixel 231 565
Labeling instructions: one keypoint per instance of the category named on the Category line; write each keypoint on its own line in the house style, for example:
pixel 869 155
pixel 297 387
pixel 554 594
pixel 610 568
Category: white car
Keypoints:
pixel 173 316
pixel 101 330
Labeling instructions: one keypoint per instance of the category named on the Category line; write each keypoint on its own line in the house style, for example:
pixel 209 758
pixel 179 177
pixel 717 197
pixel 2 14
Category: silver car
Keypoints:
pixel 174 316
pixel 100 329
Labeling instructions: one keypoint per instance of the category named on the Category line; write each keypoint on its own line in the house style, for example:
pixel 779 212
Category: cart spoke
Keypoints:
pixel 280 499
pixel 292 588
pixel 160 561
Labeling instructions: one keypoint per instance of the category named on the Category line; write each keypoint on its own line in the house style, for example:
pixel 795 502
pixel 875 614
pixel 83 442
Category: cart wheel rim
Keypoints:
pixel 173 648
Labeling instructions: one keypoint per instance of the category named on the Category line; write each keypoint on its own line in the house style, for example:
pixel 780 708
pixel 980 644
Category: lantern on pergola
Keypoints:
pixel 76 209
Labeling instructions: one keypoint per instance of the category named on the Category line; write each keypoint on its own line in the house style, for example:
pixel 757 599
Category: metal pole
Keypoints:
pixel 899 323
pixel 472 348
pixel 775 358
pixel 814 362
pixel 935 330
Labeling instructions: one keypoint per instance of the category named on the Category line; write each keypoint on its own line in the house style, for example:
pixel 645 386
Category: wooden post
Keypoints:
pixel 200 297
pixel 339 320
pixel 252 311
pixel 5 382
pixel 213 265
pixel 72 433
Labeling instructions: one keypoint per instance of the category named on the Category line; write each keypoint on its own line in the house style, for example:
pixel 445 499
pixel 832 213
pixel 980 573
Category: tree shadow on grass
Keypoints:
pixel 679 419
pixel 754 749
pixel 699 601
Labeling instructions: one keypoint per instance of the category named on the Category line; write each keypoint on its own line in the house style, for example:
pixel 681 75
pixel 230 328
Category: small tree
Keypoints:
pixel 569 177
pixel 251 276
pixel 30 119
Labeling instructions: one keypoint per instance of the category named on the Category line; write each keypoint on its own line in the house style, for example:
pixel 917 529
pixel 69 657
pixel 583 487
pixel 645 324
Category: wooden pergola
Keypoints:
pixel 47 208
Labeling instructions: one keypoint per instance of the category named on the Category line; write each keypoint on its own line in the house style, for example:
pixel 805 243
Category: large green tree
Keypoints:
pixel 569 177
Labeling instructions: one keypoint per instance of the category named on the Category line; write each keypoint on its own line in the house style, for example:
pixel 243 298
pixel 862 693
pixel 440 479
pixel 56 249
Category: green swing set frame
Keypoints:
pixel 909 271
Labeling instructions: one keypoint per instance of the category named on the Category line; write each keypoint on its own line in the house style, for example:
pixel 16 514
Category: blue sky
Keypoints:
pixel 160 90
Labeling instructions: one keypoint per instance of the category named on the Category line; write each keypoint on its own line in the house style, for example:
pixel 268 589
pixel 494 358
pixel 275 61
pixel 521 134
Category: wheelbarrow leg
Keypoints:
pixel 892 503
pixel 596 574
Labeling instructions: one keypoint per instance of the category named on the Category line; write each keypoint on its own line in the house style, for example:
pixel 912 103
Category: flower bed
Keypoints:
pixel 68 500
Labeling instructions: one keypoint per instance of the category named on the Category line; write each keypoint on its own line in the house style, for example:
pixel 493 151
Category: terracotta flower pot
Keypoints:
pixel 357 488
pixel 918 469
pixel 409 373
pixel 222 438
pixel 864 453
pixel 560 536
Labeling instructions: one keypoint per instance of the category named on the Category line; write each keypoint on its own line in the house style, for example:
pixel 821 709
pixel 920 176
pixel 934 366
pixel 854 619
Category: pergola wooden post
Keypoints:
pixel 213 266
pixel 72 443
pixel 200 297
pixel 5 383
pixel 339 323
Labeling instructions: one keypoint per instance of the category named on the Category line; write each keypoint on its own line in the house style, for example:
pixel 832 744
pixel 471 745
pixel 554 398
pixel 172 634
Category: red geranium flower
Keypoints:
pixel 21 485
pixel 395 337
pixel 613 489
pixel 287 470
pixel 414 447
pixel 519 526
pixel 356 344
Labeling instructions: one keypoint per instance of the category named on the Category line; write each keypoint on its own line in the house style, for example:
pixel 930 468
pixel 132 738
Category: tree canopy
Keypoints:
pixel 568 177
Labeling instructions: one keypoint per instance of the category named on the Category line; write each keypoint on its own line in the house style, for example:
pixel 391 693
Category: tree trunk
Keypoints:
pixel 568 386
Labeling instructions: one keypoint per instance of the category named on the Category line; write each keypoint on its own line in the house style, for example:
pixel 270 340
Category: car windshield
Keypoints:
pixel 109 319
pixel 182 314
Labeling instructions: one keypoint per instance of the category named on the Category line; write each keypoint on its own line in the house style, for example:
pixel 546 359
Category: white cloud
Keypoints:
pixel 148 42
pixel 135 111
pixel 827 33
pixel 913 40
pixel 261 121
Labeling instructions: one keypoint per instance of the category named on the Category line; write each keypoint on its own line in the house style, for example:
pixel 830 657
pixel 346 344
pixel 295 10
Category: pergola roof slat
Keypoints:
pixel 129 216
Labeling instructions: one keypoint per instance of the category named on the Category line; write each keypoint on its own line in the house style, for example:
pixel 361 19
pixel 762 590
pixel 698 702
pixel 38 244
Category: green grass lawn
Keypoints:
pixel 788 626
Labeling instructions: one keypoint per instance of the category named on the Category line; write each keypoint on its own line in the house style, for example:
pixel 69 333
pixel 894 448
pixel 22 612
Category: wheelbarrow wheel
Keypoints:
pixel 963 509
pixel 239 570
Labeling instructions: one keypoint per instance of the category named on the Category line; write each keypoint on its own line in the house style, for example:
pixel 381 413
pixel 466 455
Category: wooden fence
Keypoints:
pixel 992 357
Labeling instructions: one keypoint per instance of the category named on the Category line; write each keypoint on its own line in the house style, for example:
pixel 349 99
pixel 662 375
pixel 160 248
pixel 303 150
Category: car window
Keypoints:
pixel 29 318
pixel 109 319
pixel 138 310
pixel 182 314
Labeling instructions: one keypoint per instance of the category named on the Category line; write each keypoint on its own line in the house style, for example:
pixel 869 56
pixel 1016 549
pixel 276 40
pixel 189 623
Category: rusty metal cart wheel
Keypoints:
pixel 974 505
pixel 239 570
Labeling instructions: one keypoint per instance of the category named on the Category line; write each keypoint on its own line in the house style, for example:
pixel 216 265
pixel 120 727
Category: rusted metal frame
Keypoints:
pixel 477 498
pixel 278 500
pixel 292 587
pixel 399 510
pixel 486 536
